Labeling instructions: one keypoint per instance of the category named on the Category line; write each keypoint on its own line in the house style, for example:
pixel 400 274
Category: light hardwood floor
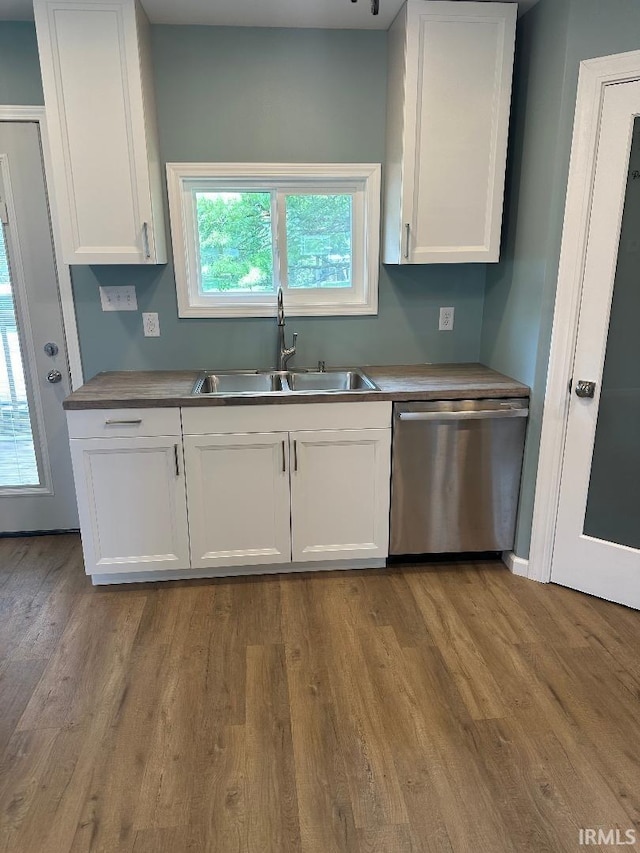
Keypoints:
pixel 438 708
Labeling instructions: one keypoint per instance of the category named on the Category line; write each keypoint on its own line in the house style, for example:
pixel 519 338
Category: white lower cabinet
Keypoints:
pixel 208 491
pixel 340 494
pixel 238 499
pixel 131 503
pixel 289 484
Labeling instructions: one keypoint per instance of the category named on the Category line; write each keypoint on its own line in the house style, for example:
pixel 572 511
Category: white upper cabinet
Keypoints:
pixel 96 73
pixel 448 103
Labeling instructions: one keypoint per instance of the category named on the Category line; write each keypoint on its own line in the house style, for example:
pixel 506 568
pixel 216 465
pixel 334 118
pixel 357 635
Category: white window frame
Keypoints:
pixel 361 180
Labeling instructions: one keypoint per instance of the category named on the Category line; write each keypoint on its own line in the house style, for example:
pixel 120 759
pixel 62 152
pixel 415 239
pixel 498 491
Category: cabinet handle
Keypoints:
pixel 114 421
pixel 145 240
pixel 463 416
pixel 407 233
pixel 177 458
pixel 284 459
pixel 295 455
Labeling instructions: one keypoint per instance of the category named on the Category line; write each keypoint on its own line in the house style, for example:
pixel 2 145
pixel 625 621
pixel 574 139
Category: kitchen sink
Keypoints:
pixel 273 381
pixel 330 380
pixel 252 382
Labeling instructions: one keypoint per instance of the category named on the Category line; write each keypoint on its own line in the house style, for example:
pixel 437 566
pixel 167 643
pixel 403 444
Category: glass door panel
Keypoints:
pixel 36 483
pixel 18 462
pixel 613 503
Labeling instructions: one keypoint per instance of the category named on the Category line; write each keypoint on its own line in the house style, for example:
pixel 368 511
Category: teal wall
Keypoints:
pixel 405 330
pixel 524 280
pixel 553 38
pixel 19 67
pixel 227 94
pixel 242 94
pixel 514 286
pixel 262 95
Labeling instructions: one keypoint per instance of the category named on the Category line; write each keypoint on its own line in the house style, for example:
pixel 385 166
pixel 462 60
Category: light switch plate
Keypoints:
pixel 119 298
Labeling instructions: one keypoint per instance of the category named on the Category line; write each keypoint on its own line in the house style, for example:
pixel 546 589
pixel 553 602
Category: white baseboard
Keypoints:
pixel 516 565
pixel 235 571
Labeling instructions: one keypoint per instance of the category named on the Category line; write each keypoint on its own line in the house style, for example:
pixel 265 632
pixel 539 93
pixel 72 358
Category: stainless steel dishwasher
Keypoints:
pixel 455 475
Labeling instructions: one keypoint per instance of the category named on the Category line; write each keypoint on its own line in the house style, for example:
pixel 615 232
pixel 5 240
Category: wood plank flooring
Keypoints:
pixel 445 708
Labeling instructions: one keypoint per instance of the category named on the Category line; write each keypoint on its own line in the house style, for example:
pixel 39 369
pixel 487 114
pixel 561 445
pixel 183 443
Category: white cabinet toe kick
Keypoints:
pixel 169 494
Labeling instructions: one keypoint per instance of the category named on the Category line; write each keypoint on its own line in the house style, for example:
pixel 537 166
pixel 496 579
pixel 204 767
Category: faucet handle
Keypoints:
pixel 295 338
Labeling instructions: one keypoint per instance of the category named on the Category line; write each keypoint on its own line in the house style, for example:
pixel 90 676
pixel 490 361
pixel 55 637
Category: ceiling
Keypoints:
pixel 330 14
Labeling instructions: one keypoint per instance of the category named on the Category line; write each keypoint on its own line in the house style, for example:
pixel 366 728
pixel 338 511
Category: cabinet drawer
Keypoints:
pixel 218 420
pixel 123 423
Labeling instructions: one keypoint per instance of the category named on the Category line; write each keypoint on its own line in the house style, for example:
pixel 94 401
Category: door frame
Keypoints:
pixel 594 78
pixel 36 114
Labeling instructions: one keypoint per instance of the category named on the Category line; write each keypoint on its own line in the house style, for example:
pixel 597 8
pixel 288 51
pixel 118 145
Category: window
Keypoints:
pixel 240 231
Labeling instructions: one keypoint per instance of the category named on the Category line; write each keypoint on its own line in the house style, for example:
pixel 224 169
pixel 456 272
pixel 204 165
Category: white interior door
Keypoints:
pixel 36 484
pixel 597 543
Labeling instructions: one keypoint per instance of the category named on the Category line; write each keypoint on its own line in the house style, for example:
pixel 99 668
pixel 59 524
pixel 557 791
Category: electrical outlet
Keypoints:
pixel 446 319
pixel 151 325
pixel 118 298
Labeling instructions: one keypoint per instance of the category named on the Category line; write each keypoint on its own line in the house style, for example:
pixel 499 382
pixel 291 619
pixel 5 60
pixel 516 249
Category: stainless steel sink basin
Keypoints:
pixel 276 382
pixel 252 382
pixel 331 380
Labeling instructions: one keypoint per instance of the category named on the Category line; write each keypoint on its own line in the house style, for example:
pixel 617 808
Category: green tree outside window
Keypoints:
pixel 235 232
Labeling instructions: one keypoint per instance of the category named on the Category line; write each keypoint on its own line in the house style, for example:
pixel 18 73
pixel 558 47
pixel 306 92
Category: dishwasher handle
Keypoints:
pixel 486 414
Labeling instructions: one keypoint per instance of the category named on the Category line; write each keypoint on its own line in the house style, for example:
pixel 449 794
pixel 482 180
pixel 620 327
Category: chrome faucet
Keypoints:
pixel 284 352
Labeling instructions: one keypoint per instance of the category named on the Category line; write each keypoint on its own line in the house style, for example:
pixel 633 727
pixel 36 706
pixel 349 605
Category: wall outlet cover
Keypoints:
pixel 150 325
pixel 119 298
pixel 446 319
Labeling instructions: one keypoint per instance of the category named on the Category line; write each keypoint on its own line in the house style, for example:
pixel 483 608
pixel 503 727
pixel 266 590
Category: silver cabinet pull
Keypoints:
pixel 145 240
pixel 284 459
pixel 295 455
pixel 114 422
pixel 407 233
pixel 177 458
pixel 54 376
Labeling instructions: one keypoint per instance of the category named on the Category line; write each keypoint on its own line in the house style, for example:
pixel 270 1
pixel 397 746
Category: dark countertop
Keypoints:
pixel 171 388
pixel 466 381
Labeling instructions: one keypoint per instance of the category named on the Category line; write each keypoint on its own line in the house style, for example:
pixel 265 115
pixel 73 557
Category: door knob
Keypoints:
pixel 585 389
pixel 54 376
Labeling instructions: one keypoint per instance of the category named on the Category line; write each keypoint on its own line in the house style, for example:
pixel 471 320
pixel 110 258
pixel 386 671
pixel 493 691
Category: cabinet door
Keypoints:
pixel 132 504
pixel 101 125
pixel 462 85
pixel 340 494
pixel 449 100
pixel 238 499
